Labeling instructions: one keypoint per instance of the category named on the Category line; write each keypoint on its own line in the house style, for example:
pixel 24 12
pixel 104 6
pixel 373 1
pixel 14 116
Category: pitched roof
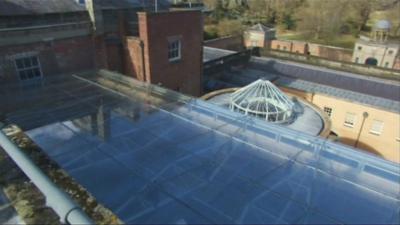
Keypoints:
pixel 113 4
pixel 34 7
pixel 349 81
pixel 260 27
pixel 29 7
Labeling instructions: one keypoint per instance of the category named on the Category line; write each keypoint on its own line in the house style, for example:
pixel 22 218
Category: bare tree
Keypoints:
pixel 322 18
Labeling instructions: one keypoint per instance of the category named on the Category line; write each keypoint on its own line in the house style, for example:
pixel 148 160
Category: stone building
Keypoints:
pixel 45 38
pixel 377 50
pixel 259 36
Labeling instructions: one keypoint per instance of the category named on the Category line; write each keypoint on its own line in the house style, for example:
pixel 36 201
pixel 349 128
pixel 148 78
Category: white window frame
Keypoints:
pixel 380 127
pixel 347 123
pixel 174 49
pixel 328 111
pixel 28 68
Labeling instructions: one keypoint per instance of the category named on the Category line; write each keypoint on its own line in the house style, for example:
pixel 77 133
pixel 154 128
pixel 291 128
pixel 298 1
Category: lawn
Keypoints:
pixel 343 41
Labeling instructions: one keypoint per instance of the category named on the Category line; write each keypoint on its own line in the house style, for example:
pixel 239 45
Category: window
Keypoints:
pixel 390 52
pixel 386 64
pixel 357 59
pixel 28 68
pixel 359 47
pixel 284 48
pixel 376 127
pixel 174 50
pixel 278 47
pixel 350 120
pixel 328 111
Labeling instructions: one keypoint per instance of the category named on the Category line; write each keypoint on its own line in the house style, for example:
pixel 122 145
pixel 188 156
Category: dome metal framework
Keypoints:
pixel 263 99
pixel 382 25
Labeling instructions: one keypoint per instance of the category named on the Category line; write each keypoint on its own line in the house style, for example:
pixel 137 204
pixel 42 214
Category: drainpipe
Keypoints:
pixel 68 211
pixel 365 115
pixel 143 61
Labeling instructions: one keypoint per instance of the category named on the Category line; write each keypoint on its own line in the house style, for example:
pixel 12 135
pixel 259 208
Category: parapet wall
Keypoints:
pixel 234 43
pixel 323 51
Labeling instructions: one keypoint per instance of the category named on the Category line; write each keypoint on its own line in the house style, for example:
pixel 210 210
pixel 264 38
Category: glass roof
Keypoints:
pixel 155 156
pixel 263 99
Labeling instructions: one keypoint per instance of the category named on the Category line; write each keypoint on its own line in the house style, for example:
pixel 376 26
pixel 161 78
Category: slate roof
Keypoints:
pixel 348 81
pixel 371 91
pixel 29 7
pixel 260 27
pixel 34 7
pixel 115 4
pixel 303 85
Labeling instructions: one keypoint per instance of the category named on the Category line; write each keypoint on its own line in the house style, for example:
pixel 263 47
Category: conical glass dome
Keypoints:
pixel 262 99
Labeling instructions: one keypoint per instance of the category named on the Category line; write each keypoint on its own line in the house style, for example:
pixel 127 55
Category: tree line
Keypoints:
pixel 317 19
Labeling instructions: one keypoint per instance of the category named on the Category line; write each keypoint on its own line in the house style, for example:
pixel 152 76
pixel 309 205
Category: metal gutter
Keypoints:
pixel 58 200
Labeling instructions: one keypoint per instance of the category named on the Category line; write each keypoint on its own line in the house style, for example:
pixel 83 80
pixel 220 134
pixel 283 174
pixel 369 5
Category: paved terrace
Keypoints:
pixel 155 156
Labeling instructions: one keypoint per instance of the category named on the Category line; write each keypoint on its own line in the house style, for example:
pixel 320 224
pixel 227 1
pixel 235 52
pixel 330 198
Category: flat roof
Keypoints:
pixel 210 53
pixel 35 7
pixel 154 156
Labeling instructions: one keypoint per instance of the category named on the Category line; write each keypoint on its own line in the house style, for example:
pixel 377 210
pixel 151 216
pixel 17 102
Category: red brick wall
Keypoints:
pixel 233 43
pixel 100 56
pixel 134 58
pixel 281 45
pixel 324 51
pixel 56 57
pixel 396 65
pixel 330 52
pixel 154 29
pixel 115 61
pixel 299 47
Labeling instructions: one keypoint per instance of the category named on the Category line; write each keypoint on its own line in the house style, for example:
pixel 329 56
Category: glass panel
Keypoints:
pixel 37 72
pixel 22 75
pixel 27 62
pixel 184 162
pixel 30 74
pixel 34 61
pixel 20 63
